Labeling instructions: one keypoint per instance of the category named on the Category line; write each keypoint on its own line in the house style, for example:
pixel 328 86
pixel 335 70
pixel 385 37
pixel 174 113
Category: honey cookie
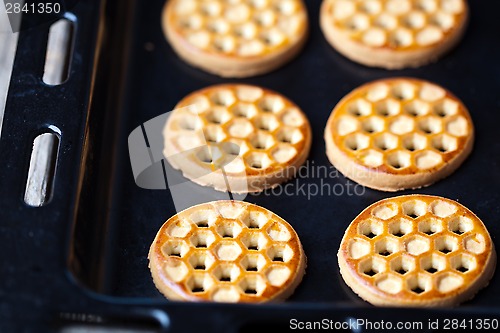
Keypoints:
pixel 393 34
pixel 237 138
pixel 398 133
pixel 227 251
pixel 416 251
pixel 236 38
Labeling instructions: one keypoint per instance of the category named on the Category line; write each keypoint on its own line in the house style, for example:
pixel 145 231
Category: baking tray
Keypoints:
pixel 81 260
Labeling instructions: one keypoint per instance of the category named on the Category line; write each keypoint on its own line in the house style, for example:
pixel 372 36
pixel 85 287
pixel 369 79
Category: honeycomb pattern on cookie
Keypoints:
pixel 401 126
pixel 417 247
pixel 258 131
pixel 240 28
pixel 397 24
pixel 229 252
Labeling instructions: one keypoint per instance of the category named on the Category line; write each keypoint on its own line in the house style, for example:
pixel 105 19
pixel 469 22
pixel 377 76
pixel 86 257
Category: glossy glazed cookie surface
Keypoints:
pixel 236 38
pixel 227 251
pixel 237 138
pixel 416 250
pixel 398 133
pixel 393 34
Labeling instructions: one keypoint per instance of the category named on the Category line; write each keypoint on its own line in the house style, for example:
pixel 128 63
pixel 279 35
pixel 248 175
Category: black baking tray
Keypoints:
pixel 81 260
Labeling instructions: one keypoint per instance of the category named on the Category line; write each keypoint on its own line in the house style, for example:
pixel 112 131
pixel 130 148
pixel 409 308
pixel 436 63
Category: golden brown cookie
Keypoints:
pixel 237 138
pixel 417 251
pixel 227 251
pixel 236 38
pixel 398 133
pixel 393 34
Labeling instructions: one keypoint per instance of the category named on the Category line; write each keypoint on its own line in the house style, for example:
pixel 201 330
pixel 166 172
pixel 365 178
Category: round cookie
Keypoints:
pixel 393 34
pixel 416 251
pixel 237 138
pixel 237 38
pixel 398 133
pixel 227 251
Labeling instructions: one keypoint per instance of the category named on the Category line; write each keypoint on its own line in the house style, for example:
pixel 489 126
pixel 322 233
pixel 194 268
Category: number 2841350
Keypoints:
pixel 33 8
